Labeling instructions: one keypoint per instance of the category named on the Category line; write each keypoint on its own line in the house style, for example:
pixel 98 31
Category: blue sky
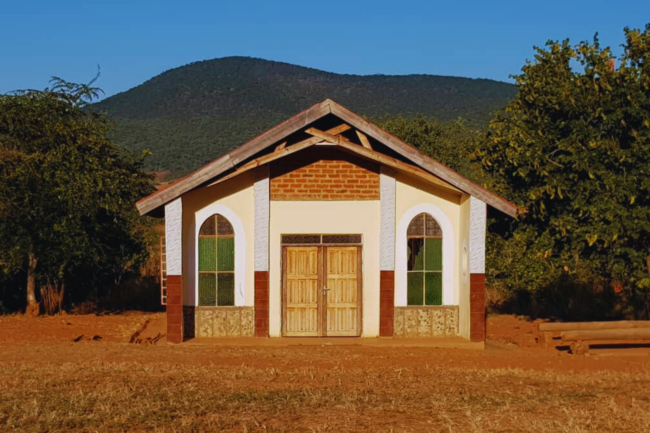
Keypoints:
pixel 135 40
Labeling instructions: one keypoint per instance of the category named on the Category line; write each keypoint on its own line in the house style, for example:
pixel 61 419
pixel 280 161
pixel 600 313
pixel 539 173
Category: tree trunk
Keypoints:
pixel 61 293
pixel 33 307
pixel 647 291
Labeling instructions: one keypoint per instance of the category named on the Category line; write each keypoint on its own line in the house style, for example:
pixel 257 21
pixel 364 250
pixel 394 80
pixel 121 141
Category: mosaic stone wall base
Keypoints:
pixel 426 321
pixel 224 322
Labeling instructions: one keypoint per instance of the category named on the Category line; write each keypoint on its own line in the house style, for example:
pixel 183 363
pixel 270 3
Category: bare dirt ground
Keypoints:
pixel 50 383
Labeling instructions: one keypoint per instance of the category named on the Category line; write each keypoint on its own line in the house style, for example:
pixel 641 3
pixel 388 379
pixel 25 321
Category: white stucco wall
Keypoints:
pixel 262 200
pixel 174 237
pixel 477 229
pixel 333 217
pixel 387 189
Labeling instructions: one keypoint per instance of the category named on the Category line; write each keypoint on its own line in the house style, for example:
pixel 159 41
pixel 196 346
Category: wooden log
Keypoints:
pixel 592 326
pixel 607 334
pixel 546 339
pixel 579 348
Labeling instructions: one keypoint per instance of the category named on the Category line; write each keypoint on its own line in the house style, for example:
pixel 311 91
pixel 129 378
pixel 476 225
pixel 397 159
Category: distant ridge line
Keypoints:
pixel 192 114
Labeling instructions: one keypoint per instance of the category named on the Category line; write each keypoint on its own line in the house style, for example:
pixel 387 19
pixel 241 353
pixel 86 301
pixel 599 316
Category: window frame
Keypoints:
pixel 242 278
pixel 216 272
pixel 450 294
pixel 424 236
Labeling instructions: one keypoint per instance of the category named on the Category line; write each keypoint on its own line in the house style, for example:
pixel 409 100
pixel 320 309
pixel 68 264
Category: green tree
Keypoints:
pixel 448 142
pixel 67 193
pixel 573 150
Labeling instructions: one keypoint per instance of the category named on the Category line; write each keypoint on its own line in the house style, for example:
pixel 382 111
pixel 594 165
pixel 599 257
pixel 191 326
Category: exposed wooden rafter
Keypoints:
pixel 364 140
pixel 233 158
pixel 327 136
pixel 381 158
pixel 423 161
pixel 279 153
pixel 279 133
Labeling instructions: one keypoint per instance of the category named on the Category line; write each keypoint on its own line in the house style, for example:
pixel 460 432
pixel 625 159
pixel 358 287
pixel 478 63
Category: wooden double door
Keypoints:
pixel 321 291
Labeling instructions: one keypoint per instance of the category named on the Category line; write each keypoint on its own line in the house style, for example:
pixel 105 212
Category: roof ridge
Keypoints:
pixel 301 120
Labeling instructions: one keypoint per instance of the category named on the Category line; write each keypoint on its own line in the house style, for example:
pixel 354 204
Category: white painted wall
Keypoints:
pixel 477 228
pixel 328 217
pixel 262 209
pixel 174 237
pixel 387 190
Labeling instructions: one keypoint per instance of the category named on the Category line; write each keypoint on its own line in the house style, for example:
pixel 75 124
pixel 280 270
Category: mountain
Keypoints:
pixel 192 114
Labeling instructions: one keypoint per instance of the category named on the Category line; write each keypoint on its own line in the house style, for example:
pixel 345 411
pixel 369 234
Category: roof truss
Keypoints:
pixel 278 134
pixel 280 152
pixel 381 158
pixel 333 136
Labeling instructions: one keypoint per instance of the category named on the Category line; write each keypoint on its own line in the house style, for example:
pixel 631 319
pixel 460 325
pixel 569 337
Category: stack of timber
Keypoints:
pixel 580 335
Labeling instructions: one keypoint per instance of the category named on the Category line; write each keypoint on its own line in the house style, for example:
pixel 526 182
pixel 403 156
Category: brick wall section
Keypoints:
pixel 174 309
pixel 324 174
pixel 386 303
pixel 477 307
pixel 261 303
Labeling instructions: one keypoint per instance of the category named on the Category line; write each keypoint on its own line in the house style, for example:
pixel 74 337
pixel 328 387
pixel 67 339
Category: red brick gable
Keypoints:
pixel 322 174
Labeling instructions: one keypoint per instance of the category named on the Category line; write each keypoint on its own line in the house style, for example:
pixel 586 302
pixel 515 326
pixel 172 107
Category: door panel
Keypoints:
pixel 342 271
pixel 301 291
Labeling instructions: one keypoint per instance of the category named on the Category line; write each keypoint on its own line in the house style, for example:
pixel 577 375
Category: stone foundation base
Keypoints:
pixel 426 321
pixel 224 321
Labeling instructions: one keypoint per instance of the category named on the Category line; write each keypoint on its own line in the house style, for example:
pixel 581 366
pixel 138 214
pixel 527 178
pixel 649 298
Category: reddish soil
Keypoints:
pixel 512 330
pixel 48 382
pixel 65 328
pixel 511 343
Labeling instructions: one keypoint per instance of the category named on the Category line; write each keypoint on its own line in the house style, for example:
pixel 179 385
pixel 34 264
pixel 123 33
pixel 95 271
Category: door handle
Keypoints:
pixel 325 289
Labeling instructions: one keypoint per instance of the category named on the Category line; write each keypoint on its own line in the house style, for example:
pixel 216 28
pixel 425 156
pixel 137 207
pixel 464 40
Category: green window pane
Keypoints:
pixel 225 254
pixel 415 295
pixel 415 254
pixel 207 254
pixel 433 259
pixel 207 289
pixel 433 288
pixel 226 289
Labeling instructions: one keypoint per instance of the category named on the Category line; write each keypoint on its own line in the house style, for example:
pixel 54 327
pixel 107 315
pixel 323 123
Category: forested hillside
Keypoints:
pixel 190 115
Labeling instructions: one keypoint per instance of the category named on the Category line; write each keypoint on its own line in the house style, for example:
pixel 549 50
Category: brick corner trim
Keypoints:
pixel 174 309
pixel 477 307
pixel 261 304
pixel 386 303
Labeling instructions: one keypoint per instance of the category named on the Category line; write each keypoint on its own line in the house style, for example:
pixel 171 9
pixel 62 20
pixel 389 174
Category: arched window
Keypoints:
pixel 424 261
pixel 216 262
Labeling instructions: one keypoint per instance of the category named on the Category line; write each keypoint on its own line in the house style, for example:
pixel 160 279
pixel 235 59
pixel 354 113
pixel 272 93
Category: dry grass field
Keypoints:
pixel 49 383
